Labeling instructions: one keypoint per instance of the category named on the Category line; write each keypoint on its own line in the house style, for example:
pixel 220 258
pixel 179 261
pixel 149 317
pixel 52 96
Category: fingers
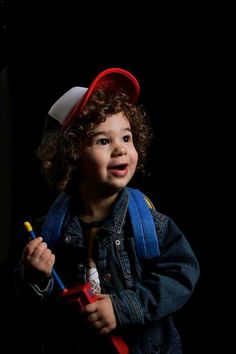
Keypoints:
pixel 29 248
pixel 101 327
pixel 37 255
pixel 97 323
pixel 100 315
pixel 36 252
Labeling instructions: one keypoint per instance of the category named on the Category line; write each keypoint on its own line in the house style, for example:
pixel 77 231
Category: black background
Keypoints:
pixel 181 57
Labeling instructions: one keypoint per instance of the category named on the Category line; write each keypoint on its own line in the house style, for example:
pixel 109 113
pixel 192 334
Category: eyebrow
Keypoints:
pixel 103 132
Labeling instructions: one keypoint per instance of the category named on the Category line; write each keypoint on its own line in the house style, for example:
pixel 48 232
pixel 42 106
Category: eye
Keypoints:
pixel 102 141
pixel 126 138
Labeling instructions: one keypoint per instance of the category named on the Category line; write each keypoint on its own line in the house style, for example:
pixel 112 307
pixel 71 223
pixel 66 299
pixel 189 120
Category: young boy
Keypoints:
pixel 98 142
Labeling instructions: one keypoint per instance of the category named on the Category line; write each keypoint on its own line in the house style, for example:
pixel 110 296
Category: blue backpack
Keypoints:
pixel 143 226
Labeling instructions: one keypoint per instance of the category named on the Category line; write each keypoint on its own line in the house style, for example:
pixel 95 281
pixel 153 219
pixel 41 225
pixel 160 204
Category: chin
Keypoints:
pixel 120 184
pixel 114 188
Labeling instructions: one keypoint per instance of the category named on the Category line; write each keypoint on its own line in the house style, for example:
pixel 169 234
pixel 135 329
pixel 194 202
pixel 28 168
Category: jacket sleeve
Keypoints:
pixel 167 281
pixel 27 289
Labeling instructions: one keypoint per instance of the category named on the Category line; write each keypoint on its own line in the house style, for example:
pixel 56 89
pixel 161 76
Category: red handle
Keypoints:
pixel 83 295
pixel 119 344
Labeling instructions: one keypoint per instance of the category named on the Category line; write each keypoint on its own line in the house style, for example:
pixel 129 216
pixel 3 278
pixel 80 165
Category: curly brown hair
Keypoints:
pixel 59 150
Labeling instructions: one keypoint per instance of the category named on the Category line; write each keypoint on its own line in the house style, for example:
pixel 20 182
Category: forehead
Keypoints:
pixel 117 121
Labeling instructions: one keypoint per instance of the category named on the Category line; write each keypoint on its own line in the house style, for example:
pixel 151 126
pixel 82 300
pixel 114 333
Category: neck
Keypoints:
pixel 96 208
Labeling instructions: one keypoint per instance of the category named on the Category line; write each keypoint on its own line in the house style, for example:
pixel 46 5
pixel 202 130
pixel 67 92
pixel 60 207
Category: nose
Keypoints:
pixel 119 151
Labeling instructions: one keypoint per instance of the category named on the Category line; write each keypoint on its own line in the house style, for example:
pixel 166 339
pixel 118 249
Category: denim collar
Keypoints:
pixel 114 221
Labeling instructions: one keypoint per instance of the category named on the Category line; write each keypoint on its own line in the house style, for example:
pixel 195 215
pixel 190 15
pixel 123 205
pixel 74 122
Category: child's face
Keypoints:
pixel 108 159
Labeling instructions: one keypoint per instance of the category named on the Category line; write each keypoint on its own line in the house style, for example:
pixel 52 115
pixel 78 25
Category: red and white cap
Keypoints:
pixel 68 106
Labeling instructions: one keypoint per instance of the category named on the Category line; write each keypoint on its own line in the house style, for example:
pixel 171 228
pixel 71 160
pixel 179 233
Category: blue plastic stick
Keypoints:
pixel 54 273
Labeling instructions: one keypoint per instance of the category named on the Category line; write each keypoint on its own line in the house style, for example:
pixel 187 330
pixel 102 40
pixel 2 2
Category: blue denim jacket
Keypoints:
pixel 144 294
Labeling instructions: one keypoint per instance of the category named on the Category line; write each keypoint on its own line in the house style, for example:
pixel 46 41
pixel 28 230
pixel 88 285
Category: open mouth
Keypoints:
pixel 121 169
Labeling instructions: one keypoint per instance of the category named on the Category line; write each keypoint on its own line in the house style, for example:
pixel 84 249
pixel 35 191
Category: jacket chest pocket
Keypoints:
pixel 117 263
pixel 127 260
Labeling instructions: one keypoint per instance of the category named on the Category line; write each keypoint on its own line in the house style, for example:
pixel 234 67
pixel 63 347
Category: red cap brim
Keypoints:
pixel 113 79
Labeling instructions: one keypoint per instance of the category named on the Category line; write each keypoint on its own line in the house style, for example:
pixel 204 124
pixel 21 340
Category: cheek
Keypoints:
pixel 85 165
pixel 134 157
pixel 93 162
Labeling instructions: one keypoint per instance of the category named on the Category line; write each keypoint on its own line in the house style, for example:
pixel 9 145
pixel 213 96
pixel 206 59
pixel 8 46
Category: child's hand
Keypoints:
pixel 100 314
pixel 37 258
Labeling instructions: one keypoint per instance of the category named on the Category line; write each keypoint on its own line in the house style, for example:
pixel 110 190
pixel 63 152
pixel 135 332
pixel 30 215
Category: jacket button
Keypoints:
pixel 68 238
pixel 80 266
pixel 106 276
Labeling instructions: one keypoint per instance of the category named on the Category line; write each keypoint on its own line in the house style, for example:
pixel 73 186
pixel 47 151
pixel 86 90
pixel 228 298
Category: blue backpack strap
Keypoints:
pixel 51 229
pixel 145 234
